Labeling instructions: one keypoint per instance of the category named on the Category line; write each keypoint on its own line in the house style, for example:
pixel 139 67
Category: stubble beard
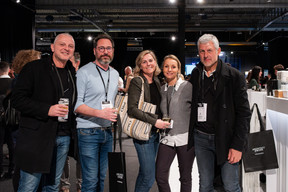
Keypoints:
pixel 106 61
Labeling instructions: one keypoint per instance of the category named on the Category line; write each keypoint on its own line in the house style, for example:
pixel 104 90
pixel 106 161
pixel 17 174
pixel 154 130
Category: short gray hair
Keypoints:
pixel 67 34
pixel 206 38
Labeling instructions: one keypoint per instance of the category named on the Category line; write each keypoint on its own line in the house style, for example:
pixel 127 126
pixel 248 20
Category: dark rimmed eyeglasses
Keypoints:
pixel 102 49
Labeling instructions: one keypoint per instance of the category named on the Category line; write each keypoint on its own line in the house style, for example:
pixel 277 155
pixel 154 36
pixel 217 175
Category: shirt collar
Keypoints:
pixel 206 73
pixel 4 76
pixel 176 86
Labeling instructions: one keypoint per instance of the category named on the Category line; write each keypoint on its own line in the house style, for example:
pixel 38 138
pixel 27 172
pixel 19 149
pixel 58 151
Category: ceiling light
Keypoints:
pixel 18 1
pixel 172 1
pixel 200 1
pixel 232 52
pixel 89 38
pixel 173 38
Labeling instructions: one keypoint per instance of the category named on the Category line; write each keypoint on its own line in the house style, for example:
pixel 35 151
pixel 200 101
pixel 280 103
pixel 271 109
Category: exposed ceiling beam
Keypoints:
pixel 267 25
pixel 86 19
pixel 157 5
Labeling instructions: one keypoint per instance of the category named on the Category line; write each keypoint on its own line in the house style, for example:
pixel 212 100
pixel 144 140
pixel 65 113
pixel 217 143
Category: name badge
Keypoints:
pixel 202 112
pixel 106 104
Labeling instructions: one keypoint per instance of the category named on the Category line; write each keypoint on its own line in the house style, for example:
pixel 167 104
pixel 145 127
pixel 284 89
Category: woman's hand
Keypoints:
pixel 160 124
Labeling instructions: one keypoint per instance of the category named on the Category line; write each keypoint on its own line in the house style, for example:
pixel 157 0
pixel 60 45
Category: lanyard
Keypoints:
pixel 214 82
pixel 60 80
pixel 106 89
pixel 202 96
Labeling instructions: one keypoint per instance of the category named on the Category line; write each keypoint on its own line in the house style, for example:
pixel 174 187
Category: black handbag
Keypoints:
pixel 261 152
pixel 117 164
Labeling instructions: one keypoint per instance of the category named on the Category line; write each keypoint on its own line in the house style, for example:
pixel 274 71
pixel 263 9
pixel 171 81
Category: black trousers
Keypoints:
pixel 164 160
pixel 6 136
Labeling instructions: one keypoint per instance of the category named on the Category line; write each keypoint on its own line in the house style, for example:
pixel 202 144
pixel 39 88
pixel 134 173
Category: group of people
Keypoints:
pixel 208 116
pixel 255 80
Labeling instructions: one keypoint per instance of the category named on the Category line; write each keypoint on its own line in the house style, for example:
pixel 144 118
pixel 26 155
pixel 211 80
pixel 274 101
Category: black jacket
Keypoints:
pixel 134 92
pixel 231 108
pixel 36 90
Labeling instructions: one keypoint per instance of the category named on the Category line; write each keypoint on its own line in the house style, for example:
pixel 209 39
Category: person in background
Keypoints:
pixel 148 69
pixel 97 85
pixel 76 60
pixel 120 84
pixel 5 132
pixel 176 105
pixel 278 67
pixel 21 58
pixel 220 116
pixel 43 139
pixel 73 151
pixel 254 82
pixel 127 78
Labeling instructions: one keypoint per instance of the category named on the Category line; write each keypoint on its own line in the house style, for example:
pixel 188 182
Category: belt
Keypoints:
pixel 201 132
pixel 102 128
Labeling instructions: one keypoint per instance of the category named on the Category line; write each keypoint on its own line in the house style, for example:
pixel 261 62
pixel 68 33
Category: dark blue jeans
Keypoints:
pixel 205 155
pixel 94 145
pixel 29 181
pixel 146 151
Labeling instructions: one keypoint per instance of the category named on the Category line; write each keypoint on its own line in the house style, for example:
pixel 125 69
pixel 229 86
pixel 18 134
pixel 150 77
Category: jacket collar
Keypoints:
pixel 220 75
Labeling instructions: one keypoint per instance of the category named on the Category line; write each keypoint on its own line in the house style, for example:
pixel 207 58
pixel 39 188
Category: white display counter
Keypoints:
pixel 258 97
pixel 277 120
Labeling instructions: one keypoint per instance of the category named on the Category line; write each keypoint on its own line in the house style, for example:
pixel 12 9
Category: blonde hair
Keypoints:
pixel 175 59
pixel 23 57
pixel 137 70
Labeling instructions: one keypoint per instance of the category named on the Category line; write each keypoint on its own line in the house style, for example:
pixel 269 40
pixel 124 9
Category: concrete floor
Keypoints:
pixel 131 169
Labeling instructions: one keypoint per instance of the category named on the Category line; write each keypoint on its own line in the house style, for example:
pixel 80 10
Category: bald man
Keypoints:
pixel 43 141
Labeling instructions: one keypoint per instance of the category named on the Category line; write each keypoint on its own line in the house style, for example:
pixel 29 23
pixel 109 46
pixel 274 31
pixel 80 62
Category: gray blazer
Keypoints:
pixel 180 106
pixel 133 99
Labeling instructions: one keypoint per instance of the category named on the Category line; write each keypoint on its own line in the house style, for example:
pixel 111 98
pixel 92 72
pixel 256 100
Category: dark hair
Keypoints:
pixel 4 67
pixel 255 73
pixel 103 36
pixel 278 67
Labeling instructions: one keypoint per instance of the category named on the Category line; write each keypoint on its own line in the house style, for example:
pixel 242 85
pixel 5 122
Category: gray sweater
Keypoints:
pixel 180 106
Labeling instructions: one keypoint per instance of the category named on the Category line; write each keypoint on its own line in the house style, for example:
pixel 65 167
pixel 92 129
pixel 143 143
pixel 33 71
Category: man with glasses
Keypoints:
pixel 97 84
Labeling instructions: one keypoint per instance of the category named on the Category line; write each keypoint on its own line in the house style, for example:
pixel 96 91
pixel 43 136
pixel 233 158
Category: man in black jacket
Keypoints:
pixel 43 141
pixel 220 116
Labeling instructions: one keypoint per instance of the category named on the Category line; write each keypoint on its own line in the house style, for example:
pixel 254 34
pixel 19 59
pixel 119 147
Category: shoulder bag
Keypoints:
pixel 133 127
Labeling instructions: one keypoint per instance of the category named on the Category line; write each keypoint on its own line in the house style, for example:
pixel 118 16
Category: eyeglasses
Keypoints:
pixel 102 49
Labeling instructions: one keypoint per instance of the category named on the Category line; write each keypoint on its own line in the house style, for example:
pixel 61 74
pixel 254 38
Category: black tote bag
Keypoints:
pixel 261 152
pixel 117 165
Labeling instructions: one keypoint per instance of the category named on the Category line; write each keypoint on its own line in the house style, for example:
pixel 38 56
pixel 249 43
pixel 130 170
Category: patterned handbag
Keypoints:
pixel 133 127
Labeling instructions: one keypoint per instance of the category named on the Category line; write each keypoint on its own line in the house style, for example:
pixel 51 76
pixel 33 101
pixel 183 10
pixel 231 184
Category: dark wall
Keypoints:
pixel 278 52
pixel 17 25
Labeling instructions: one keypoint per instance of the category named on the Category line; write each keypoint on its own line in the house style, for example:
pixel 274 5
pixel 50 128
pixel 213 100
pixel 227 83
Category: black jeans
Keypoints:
pixel 164 160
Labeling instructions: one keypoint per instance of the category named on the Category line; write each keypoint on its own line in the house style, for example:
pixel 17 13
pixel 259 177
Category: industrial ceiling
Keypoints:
pixel 159 18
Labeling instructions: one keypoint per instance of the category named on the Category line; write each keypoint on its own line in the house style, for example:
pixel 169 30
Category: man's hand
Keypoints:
pixel 234 156
pixel 109 114
pixel 58 110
